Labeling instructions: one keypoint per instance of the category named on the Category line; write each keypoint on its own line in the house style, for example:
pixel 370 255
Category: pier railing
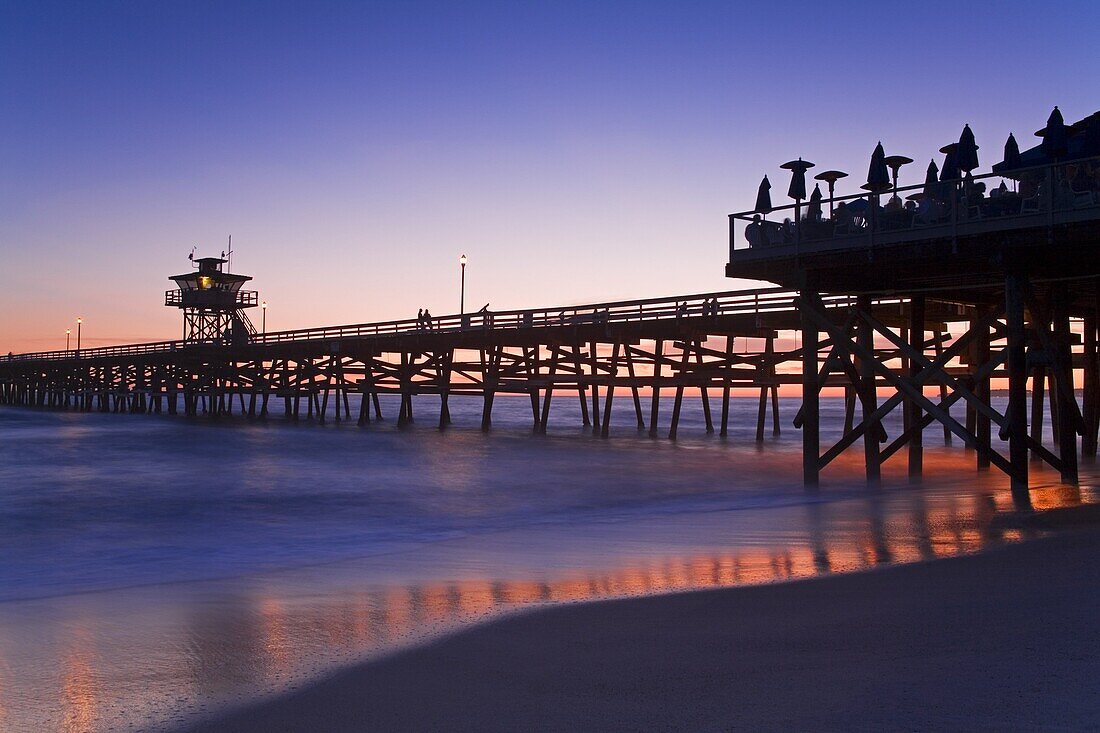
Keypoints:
pixel 742 302
pixel 1037 196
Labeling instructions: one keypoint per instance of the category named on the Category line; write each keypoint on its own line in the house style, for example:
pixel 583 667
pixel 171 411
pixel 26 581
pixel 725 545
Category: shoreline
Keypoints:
pixel 1001 638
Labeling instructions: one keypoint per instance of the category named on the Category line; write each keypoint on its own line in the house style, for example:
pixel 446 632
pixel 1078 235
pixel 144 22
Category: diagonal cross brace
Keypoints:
pixel 903 385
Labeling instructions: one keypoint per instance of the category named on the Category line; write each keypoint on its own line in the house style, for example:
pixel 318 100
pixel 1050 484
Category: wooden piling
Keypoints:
pixel 811 440
pixel 916 415
pixel 1015 282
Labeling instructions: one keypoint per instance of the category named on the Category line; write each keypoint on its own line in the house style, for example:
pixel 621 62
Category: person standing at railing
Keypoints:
pixel 428 319
pixel 754 232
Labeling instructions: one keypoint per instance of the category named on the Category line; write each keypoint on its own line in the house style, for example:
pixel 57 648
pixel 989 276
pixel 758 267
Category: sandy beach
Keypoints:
pixel 1003 640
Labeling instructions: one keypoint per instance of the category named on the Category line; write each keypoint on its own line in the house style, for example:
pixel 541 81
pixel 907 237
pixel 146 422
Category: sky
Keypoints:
pixel 575 152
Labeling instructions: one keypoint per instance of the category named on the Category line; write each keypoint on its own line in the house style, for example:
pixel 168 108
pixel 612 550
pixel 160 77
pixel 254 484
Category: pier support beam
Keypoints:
pixel 1068 409
pixel 811 437
pixel 916 342
pixel 865 338
pixel 1091 394
pixel 1015 284
pixel 655 393
pixel 982 429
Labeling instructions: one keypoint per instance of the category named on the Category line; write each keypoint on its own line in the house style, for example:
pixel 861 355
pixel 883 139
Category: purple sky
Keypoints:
pixel 575 152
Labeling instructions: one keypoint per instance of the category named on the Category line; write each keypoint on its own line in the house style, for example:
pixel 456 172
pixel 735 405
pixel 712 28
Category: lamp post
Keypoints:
pixel 79 323
pixel 263 318
pixel 462 288
pixel 67 332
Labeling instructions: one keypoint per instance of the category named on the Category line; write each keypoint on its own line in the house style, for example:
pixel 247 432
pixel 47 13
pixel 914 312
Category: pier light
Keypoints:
pixel 68 331
pixel 462 286
pixel 263 317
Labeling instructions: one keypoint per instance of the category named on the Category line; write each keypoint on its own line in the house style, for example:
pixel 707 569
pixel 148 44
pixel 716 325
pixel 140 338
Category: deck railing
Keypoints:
pixel 211 297
pixel 763 300
pixel 953 207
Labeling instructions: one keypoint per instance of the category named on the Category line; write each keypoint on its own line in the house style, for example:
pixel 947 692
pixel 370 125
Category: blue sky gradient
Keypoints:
pixel 575 151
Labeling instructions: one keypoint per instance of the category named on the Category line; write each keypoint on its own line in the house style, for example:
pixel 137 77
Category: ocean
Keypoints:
pixel 154 569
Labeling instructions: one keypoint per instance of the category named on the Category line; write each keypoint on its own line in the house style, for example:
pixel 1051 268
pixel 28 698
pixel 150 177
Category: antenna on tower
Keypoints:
pixel 229 265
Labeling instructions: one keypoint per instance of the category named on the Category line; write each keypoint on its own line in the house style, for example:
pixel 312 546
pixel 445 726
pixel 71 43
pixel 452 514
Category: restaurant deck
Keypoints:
pixel 1025 262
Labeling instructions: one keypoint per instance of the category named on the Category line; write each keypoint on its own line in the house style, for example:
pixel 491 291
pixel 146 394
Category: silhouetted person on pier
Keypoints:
pixel 754 232
pixel 420 318
pixel 427 319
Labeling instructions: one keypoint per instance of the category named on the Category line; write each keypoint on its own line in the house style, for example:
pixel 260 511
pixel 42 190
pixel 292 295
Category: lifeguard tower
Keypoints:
pixel 213 303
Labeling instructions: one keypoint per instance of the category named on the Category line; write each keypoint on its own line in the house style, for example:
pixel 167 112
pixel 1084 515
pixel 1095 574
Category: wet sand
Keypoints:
pixel 1003 640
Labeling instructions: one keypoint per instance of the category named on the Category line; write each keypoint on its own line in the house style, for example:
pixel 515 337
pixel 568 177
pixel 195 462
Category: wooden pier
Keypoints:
pixel 690 347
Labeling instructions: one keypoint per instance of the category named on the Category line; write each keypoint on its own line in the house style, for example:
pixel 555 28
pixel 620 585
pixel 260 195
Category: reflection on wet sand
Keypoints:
pixel 79 691
pixel 269 635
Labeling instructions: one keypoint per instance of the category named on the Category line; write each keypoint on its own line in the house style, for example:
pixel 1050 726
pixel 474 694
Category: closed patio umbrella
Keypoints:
pixel 967 151
pixel 764 197
pixel 950 169
pixel 1055 137
pixel 1012 153
pixel 931 182
pixel 1012 157
pixel 813 210
pixel 878 178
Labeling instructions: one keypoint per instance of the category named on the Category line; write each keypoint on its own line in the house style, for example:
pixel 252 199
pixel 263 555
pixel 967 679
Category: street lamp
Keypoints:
pixel 462 291
pixel 67 332
pixel 79 322
pixel 263 319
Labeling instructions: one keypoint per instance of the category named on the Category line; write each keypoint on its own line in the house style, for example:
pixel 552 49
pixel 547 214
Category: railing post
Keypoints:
pixel 733 236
